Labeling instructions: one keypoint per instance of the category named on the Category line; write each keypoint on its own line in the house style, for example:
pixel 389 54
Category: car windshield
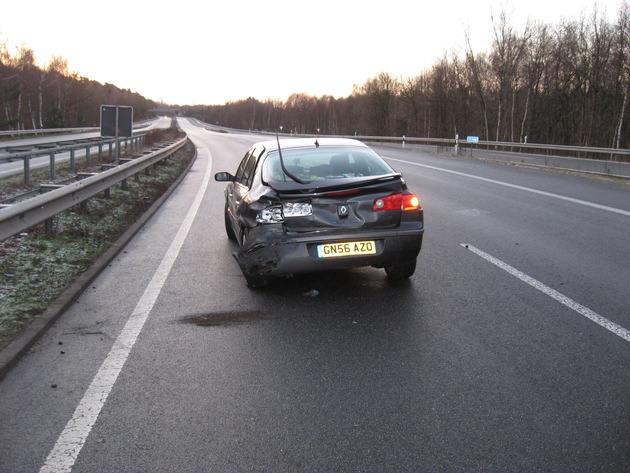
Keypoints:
pixel 310 164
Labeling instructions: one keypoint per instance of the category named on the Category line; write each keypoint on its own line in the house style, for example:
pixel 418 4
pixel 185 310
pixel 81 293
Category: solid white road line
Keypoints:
pixel 522 188
pixel 580 309
pixel 71 441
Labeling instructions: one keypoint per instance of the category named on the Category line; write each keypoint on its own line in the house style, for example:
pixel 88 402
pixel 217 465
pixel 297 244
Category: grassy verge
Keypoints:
pixel 35 267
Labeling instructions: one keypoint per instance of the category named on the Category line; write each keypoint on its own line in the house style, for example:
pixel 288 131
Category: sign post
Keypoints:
pixel 472 140
pixel 116 121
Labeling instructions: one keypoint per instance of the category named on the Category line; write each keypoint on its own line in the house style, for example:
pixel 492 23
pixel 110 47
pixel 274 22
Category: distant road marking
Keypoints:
pixel 571 304
pixel 526 189
pixel 71 441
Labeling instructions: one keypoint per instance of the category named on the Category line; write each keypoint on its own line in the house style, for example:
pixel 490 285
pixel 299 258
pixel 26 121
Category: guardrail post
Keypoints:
pixel 27 170
pixel 87 154
pixel 100 152
pixel 72 160
pixel 48 225
pixel 52 165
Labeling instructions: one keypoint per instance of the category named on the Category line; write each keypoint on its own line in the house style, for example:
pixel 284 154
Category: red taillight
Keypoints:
pixel 397 202
pixel 391 202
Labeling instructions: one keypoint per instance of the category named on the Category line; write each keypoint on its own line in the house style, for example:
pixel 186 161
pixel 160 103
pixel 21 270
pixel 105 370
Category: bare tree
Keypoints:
pixel 381 93
pixel 534 67
pixel 477 65
pixel 622 53
pixel 508 49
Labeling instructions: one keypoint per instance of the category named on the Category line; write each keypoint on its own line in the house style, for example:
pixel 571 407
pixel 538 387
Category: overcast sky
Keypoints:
pixel 191 52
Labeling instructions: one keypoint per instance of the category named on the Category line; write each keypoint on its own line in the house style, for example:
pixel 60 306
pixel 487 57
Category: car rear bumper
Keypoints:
pixel 273 253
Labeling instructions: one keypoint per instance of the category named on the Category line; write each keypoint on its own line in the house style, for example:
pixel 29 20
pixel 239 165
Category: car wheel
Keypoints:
pixel 401 270
pixel 228 226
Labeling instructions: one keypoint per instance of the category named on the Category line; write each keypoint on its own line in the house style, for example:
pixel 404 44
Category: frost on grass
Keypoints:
pixel 35 268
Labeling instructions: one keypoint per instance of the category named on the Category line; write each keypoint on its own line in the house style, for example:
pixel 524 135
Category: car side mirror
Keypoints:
pixel 224 177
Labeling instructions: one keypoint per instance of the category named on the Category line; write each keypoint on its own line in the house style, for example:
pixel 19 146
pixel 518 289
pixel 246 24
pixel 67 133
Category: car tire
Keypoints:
pixel 228 226
pixel 401 270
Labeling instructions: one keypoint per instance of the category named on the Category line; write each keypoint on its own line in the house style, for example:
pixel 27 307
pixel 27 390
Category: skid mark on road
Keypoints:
pixel 226 318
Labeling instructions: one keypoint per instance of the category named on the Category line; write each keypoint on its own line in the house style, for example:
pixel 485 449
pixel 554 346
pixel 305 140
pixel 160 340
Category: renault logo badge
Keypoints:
pixel 343 210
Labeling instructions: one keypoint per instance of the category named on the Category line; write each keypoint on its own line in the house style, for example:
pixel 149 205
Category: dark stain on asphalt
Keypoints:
pixel 225 318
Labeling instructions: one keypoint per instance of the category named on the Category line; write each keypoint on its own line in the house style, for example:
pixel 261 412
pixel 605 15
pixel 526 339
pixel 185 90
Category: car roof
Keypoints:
pixel 290 143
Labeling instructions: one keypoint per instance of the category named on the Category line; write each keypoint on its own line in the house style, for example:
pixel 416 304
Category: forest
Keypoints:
pixel 52 97
pixel 567 84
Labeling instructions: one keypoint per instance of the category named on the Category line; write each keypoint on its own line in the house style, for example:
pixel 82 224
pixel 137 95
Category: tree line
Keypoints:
pixel 563 84
pixel 32 97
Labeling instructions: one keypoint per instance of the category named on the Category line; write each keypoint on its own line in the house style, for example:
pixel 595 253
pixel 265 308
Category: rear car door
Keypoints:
pixel 242 185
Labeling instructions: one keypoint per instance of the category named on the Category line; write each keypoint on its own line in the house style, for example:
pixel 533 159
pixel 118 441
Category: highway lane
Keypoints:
pixel 564 230
pixel 464 367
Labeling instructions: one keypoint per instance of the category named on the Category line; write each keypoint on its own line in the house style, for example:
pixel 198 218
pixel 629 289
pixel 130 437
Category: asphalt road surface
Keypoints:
pixel 508 350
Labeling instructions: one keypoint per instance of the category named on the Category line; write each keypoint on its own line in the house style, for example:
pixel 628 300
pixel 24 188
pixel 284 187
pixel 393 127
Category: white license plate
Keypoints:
pixel 352 248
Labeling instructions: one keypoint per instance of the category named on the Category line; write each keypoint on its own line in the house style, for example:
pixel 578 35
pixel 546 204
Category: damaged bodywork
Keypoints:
pixel 305 205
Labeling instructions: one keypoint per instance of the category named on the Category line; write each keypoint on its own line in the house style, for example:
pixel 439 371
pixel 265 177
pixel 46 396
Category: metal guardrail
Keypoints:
pixel 52 149
pixel 600 161
pixel 47 131
pixel 52 131
pixel 17 217
pixel 592 160
pixel 577 151
pixel 505 145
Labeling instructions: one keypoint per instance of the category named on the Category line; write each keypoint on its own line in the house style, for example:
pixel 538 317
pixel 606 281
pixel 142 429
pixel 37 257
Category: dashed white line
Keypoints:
pixel 69 444
pixel 580 309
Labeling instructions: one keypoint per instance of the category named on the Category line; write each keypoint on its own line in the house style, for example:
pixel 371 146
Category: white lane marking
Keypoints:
pixel 71 441
pixel 571 304
pixel 526 189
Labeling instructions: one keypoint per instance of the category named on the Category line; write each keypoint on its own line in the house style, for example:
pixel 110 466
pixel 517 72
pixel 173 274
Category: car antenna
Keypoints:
pixel 284 169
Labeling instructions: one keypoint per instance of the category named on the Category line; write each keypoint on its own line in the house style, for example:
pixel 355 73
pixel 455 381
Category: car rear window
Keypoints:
pixel 310 164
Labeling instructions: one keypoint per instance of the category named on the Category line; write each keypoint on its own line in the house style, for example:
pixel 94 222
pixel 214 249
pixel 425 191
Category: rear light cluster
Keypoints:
pixel 277 214
pixel 397 202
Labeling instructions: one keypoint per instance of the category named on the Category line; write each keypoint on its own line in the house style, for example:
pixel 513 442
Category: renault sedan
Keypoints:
pixel 315 204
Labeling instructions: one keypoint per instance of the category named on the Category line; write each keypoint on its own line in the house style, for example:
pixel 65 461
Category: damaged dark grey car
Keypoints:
pixel 304 205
